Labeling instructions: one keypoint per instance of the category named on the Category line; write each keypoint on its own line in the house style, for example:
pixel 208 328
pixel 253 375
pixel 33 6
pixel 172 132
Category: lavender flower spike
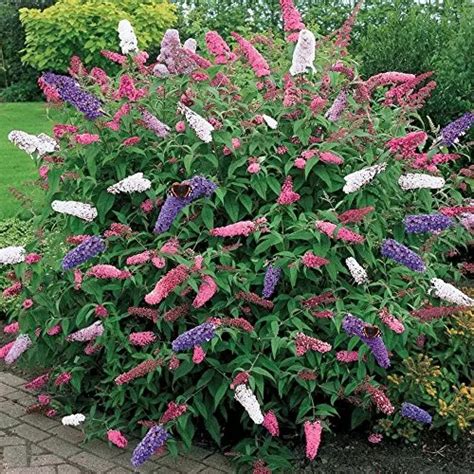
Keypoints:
pixel 200 187
pixel 401 254
pixel 21 344
pixel 152 123
pixel 70 91
pixel 415 413
pixel 83 252
pixel 451 133
pixel 194 337
pixel 270 281
pixel 335 111
pixel 153 440
pixel 418 224
pixel 355 327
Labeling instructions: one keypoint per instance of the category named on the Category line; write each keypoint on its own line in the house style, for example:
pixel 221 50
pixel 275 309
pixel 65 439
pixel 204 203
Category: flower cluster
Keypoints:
pixel 357 271
pixel 400 253
pixel 356 327
pixel 167 284
pixel 450 293
pixel 153 440
pixel 135 183
pixel 420 181
pixel 145 367
pixel 305 343
pixel 358 179
pixel 73 420
pixel 415 413
pixel 198 187
pixel 270 281
pixel 88 249
pixel 11 255
pixel 39 144
pixel 70 91
pixel 194 337
pixel 82 210
pixel 421 223
pixel 247 399
pixel 313 431
pixel 304 53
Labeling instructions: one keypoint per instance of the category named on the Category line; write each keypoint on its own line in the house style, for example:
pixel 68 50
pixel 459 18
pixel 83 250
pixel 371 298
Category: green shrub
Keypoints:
pixel 260 340
pixel 63 30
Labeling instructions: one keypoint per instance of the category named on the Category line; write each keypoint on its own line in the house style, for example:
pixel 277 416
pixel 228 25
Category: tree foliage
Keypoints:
pixel 85 27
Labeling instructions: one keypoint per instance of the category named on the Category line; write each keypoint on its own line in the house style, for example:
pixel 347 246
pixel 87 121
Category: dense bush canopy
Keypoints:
pixel 252 253
pixel 56 33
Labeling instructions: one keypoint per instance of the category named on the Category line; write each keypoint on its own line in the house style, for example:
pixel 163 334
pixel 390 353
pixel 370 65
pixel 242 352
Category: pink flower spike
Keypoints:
pixel 63 379
pixel 117 438
pixel 101 311
pixel 131 141
pixel 207 290
pixel 244 228
pixel 270 422
pixel 173 411
pixel 158 262
pixel 86 138
pixel 343 233
pixel 38 382
pixel 198 355
pixel 253 168
pixel 27 304
pixel 108 272
pixel 171 247
pixel 313 431
pixel 391 321
pixel 167 284
pixel 44 399
pixel 287 195
pixel 139 258
pixel 310 260
pixel 255 59
pixel 219 48
pixel 32 258
pixel 54 331
pixel 375 438
pixel 4 350
pixel 330 158
pixel 12 328
pixel 305 343
pixel 142 338
pixel 347 356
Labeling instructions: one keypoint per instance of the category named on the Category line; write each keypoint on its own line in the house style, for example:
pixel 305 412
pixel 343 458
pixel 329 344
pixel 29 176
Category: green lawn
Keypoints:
pixel 16 167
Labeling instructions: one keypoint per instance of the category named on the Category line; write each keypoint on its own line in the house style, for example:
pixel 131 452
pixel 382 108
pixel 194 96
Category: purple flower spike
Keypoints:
pixel 401 254
pixel 451 133
pixel 200 187
pixel 194 337
pixel 70 91
pixel 153 440
pixel 83 252
pixel 355 327
pixel 415 413
pixel 270 281
pixel 418 224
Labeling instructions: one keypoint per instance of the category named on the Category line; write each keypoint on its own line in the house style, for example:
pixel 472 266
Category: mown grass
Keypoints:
pixel 16 167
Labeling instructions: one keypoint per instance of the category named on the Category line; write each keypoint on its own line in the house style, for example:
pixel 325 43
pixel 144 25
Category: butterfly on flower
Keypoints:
pixel 181 190
pixel 371 332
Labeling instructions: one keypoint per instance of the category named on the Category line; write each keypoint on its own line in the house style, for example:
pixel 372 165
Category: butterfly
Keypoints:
pixel 371 332
pixel 181 190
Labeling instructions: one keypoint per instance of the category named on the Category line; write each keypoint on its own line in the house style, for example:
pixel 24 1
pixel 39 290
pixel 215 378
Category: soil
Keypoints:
pixel 351 453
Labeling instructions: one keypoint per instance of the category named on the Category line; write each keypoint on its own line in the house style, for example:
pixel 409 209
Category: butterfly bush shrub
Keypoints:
pixel 250 253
